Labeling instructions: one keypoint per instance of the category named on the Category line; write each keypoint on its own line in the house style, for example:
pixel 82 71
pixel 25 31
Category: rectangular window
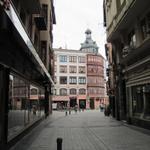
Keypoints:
pixel 145 26
pixel 81 69
pixel 72 58
pixel 81 59
pixel 45 12
pixel 63 80
pixel 63 69
pixel 72 69
pixel 132 39
pixel 63 58
pixel 73 80
pixel 43 51
pixel 82 80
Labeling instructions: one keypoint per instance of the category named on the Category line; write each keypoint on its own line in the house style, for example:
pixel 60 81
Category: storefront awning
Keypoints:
pixel 60 98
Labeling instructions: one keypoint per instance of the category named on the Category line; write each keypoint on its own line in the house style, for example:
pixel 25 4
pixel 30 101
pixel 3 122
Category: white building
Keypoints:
pixel 70 78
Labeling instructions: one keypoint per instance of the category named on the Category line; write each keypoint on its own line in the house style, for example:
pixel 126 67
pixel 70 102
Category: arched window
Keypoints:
pixel 73 91
pixel 34 91
pixel 63 91
pixel 82 91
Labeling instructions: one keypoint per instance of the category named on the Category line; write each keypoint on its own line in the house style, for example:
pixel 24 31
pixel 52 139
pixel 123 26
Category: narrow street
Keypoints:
pixel 88 130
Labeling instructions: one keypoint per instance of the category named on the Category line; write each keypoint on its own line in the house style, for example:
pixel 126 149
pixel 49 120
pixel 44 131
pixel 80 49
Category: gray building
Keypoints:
pixel 128 30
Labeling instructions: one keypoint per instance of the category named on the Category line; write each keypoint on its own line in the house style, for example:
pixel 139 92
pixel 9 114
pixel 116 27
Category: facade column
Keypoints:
pixel 4 95
pixel 50 98
pixel 144 99
pixel 46 100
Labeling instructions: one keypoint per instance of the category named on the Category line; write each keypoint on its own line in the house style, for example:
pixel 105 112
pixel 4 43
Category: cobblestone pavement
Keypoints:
pixel 88 130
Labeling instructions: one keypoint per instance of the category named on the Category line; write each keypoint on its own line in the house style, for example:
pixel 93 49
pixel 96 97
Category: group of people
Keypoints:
pixel 69 109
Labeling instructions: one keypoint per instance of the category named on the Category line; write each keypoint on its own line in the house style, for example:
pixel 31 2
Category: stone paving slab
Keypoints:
pixel 89 130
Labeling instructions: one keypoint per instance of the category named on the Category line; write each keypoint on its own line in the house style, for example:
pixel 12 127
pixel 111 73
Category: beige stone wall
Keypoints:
pixel 113 16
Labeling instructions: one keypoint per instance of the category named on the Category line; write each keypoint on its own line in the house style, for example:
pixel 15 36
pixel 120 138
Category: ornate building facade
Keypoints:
pixel 79 76
pixel 70 78
pixel 95 71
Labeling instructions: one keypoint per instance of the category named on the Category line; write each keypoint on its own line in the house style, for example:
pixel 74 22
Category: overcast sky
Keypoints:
pixel 73 17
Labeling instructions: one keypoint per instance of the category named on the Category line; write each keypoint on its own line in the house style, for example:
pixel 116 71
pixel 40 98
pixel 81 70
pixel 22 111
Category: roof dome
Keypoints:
pixel 88 31
pixel 89 45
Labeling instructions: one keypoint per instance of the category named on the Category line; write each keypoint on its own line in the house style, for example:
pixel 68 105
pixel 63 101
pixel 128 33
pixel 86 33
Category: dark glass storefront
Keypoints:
pixel 141 100
pixel 24 106
pixel 137 99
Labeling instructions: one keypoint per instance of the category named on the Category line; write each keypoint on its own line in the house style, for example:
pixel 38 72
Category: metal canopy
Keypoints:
pixel 26 60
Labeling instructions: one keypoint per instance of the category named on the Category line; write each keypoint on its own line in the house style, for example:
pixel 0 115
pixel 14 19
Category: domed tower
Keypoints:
pixel 89 46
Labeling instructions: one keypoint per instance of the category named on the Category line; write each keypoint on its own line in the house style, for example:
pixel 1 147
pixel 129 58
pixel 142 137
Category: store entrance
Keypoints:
pixel 73 102
pixel 82 104
pixel 92 104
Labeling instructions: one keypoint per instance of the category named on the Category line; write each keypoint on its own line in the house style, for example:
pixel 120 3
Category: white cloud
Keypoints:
pixel 73 17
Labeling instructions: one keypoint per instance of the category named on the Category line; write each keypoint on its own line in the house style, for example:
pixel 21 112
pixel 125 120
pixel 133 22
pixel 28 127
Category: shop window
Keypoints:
pixel 25 105
pixel 137 99
pixel 146 90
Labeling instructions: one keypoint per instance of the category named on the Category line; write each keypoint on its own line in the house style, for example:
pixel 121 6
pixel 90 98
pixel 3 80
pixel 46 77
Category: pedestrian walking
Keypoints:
pixel 75 108
pixel 34 110
pixel 69 111
pixel 101 106
pixel 66 111
pixel 107 111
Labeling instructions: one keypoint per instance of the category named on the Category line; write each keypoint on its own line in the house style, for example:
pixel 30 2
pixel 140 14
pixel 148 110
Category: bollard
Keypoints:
pixel 59 143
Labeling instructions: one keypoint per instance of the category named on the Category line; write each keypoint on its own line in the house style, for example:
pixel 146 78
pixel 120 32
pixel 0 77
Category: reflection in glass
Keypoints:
pixel 26 104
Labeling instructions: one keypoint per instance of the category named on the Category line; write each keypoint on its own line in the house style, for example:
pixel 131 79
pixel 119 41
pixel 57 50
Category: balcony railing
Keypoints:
pixel 134 54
